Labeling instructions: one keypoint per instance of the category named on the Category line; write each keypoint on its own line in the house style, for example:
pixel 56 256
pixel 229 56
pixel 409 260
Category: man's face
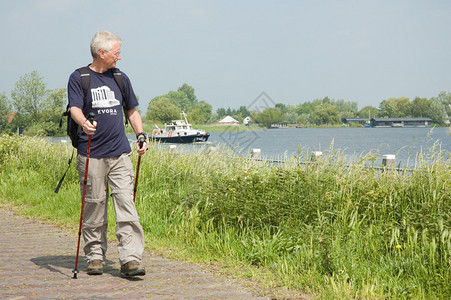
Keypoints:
pixel 111 57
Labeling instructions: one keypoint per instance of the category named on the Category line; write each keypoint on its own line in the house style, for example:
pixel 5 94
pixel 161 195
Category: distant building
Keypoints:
pixel 279 125
pixel 361 121
pixel 229 121
pixel 401 122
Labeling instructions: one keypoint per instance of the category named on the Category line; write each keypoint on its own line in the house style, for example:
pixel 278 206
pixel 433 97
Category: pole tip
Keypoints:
pixel 75 273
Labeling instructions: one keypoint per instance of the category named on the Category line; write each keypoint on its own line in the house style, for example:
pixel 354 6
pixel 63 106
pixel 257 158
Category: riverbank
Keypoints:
pixel 207 128
pixel 326 228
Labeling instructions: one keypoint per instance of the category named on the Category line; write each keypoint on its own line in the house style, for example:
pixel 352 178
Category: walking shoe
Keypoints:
pixel 95 267
pixel 132 268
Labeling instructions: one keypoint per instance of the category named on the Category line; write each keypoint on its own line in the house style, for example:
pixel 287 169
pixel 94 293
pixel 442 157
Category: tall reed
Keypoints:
pixel 330 227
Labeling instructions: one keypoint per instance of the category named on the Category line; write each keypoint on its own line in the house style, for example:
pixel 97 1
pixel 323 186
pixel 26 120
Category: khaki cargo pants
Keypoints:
pixel 116 172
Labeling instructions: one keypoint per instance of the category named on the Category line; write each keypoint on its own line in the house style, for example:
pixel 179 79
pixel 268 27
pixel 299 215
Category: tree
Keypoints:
pixel 368 112
pixel 29 95
pixel 50 115
pixel 179 99
pixel 326 100
pixel 200 113
pixel 404 107
pixel 395 108
pixel 386 109
pixel 437 111
pixel 221 112
pixel 345 107
pixel 5 110
pixel 161 109
pixel 445 98
pixel 281 107
pixel 189 92
pixel 53 106
pixel 183 99
pixel 325 114
pixel 420 107
pixel 291 117
pixel 308 108
pixel 305 108
pixel 243 112
pixel 289 114
pixel 268 117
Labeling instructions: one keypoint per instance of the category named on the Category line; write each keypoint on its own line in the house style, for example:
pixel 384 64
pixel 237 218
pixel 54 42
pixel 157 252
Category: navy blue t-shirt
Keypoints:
pixel 104 98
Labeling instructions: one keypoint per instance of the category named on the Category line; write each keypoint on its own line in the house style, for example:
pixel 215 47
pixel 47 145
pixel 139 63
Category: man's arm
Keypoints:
pixel 137 125
pixel 135 120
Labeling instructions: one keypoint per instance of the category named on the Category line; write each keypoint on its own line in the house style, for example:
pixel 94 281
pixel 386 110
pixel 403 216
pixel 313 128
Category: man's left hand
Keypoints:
pixel 141 144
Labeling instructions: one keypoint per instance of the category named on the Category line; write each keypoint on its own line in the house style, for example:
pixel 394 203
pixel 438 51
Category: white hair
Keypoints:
pixel 103 40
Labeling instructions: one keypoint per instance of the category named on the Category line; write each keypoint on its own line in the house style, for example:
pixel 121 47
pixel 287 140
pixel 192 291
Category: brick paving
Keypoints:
pixel 37 259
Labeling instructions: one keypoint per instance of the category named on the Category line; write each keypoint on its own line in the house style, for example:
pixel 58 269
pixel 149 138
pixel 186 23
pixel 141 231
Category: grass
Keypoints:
pixel 329 228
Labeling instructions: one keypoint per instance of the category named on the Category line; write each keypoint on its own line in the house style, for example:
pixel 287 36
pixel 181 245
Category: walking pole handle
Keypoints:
pixel 90 117
pixel 142 140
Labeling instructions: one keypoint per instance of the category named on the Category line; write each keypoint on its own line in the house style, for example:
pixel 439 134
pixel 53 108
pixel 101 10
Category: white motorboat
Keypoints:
pixel 179 131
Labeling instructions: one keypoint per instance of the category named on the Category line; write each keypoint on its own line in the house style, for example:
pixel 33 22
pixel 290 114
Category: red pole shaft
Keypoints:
pixel 82 205
pixel 136 179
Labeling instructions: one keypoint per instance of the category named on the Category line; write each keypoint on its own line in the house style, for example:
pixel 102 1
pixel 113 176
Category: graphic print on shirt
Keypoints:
pixel 103 99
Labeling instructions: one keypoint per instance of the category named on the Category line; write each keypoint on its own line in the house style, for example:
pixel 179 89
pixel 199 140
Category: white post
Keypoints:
pixel 315 155
pixel 389 161
pixel 172 147
pixel 256 153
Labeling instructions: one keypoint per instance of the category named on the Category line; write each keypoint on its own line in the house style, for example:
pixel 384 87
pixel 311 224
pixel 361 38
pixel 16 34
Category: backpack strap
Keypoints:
pixel 120 82
pixel 62 178
pixel 85 79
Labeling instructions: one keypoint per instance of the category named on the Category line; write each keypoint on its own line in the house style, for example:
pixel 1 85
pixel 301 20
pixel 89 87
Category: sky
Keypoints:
pixel 231 52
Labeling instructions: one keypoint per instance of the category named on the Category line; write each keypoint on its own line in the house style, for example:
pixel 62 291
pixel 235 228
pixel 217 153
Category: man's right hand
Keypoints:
pixel 78 116
pixel 89 128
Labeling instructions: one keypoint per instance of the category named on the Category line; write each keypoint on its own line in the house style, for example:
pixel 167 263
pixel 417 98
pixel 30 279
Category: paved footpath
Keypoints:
pixel 37 259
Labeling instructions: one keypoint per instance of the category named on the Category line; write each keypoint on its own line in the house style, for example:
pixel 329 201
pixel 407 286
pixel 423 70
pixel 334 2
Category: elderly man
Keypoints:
pixel 109 160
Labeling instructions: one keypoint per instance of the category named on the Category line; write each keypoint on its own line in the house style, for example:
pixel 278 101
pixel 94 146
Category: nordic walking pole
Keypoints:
pixel 141 143
pixel 75 271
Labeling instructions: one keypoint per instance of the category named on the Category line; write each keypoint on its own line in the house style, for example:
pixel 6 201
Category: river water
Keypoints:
pixel 405 143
